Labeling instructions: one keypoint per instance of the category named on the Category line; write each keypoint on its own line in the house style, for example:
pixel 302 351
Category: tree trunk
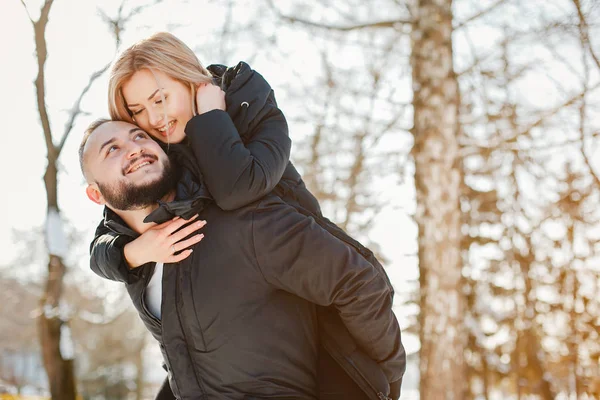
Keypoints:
pixel 60 371
pixel 57 348
pixel 57 356
pixel 438 177
pixel 55 339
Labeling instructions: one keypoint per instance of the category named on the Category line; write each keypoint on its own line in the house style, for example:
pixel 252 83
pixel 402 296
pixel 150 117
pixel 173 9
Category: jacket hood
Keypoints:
pixel 246 93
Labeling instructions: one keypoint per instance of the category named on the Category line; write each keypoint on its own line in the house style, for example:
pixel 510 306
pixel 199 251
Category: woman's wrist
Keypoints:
pixel 128 253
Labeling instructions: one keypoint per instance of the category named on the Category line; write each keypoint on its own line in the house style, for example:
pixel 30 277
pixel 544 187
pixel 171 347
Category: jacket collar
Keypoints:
pixel 116 224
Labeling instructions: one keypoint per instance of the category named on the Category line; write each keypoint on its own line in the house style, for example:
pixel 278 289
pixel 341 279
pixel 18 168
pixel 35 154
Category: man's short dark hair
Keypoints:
pixel 86 135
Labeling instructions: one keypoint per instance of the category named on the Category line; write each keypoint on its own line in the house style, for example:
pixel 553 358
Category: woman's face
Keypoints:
pixel 143 98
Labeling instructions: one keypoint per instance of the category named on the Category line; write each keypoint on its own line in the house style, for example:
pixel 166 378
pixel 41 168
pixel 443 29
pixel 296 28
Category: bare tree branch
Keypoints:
pixel 42 54
pixel 349 16
pixel 76 109
pixel 27 11
pixel 515 36
pixel 585 42
pixel 137 10
pixel 480 14
pixel 583 29
pixel 395 23
pixel 45 11
pixel 114 23
pixel 542 119
pixel 481 59
pixel 379 24
pixel 587 160
pixel 117 24
pixel 470 148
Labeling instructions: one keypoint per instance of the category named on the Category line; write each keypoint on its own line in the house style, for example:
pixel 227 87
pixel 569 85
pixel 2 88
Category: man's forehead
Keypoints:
pixel 115 128
pixel 109 130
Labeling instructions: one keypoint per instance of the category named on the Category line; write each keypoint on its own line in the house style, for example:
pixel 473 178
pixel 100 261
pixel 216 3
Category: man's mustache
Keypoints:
pixel 135 160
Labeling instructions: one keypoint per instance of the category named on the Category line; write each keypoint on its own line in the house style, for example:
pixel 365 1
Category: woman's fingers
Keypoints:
pixel 165 224
pixel 210 97
pixel 181 256
pixel 183 245
pixel 187 231
pixel 188 242
pixel 178 223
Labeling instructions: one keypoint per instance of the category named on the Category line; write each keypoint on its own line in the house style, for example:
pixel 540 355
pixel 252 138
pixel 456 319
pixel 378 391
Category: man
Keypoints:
pixel 237 318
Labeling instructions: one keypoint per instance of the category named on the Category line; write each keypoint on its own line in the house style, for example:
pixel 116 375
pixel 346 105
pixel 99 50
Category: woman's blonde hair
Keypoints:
pixel 160 52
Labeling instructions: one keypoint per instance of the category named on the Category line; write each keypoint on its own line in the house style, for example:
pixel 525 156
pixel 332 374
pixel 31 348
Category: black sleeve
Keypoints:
pixel 235 173
pixel 296 255
pixel 106 255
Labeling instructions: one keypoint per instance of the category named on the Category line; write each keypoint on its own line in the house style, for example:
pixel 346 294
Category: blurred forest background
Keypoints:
pixel 458 139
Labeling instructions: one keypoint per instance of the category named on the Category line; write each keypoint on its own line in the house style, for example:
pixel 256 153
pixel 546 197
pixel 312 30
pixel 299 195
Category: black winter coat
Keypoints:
pixel 239 316
pixel 249 165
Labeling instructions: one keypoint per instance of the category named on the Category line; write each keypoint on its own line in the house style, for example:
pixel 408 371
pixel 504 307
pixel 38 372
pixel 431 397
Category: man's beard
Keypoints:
pixel 127 196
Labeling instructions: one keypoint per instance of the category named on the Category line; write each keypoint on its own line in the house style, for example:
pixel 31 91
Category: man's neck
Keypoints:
pixel 135 218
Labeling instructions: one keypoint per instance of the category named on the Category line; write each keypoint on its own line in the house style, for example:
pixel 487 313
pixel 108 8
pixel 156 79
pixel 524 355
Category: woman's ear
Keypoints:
pixel 93 193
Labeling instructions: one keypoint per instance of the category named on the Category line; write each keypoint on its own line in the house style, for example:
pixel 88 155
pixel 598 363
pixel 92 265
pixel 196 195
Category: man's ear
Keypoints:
pixel 93 193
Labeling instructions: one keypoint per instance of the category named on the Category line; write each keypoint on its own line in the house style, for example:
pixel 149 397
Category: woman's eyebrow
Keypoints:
pixel 149 98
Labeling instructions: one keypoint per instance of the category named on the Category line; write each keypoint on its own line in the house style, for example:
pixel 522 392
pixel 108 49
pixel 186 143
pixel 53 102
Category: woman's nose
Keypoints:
pixel 154 117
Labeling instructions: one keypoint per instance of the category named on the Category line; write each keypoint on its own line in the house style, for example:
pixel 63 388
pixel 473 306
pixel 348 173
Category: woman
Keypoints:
pixel 223 124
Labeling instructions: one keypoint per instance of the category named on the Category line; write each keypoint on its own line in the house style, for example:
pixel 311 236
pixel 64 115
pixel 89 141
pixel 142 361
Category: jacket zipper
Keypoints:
pixel 362 382
pixel 186 334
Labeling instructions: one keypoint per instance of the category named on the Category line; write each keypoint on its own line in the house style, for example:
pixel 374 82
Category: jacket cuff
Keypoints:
pixel 128 275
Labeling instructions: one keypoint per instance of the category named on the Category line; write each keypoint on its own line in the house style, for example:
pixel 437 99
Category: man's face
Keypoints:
pixel 125 168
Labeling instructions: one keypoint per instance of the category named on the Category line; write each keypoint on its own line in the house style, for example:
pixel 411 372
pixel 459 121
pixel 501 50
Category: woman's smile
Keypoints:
pixel 168 130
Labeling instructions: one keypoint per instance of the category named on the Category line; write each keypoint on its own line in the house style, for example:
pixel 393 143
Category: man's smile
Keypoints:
pixel 139 162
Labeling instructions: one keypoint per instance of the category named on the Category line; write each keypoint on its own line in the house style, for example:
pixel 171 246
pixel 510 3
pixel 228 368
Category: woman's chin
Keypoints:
pixel 176 137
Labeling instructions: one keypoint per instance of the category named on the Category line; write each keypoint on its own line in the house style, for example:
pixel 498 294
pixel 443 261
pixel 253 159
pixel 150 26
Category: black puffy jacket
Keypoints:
pixel 239 316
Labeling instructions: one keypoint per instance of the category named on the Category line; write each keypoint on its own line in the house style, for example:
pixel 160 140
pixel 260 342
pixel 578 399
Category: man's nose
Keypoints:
pixel 134 149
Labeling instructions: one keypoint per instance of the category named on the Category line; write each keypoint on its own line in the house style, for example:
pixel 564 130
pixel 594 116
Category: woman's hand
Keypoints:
pixel 161 242
pixel 209 97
